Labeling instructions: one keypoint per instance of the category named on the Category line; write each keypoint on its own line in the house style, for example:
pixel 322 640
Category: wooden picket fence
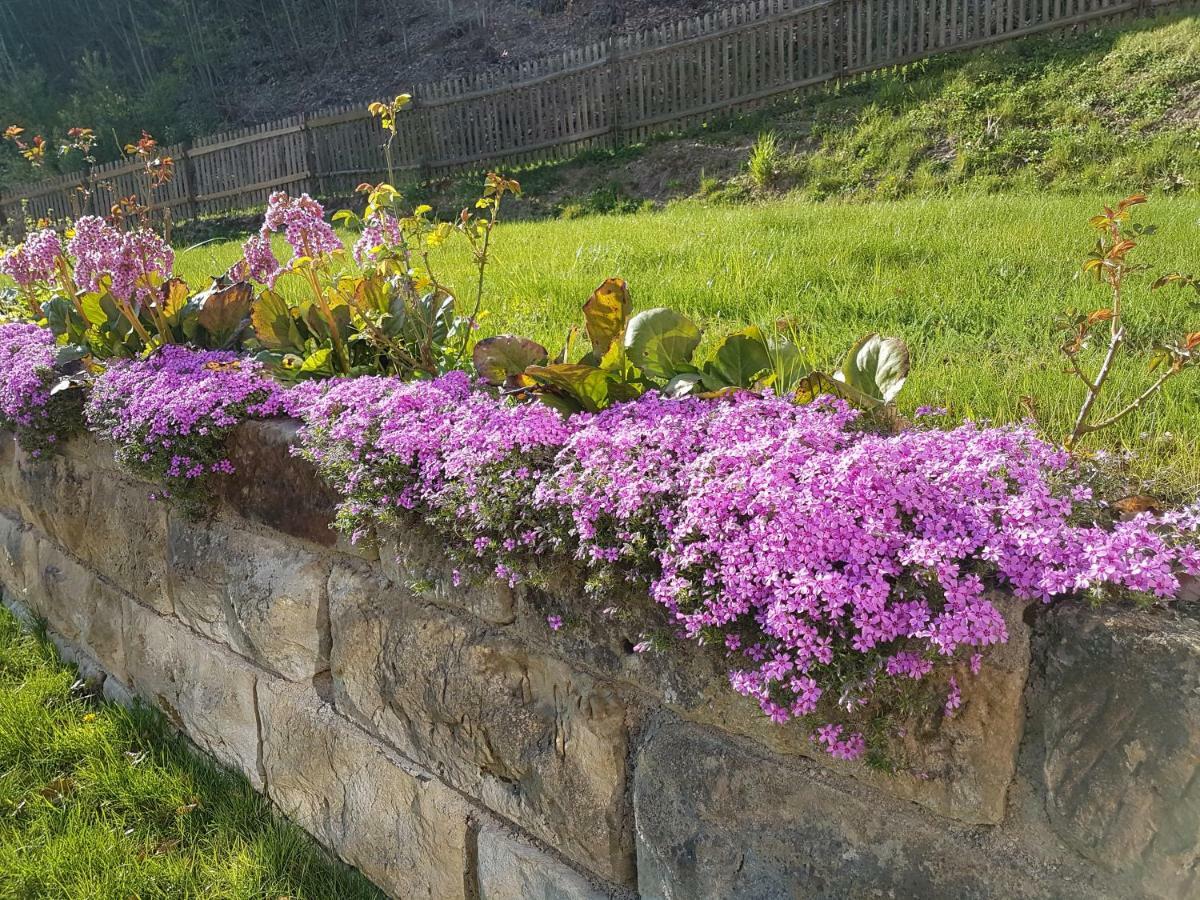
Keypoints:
pixel 602 95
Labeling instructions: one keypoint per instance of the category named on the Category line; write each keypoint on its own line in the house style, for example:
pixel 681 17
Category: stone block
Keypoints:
pixel 401 827
pixel 54 494
pixel 205 690
pixel 18 560
pixel 1115 712
pixel 126 538
pixel 412 557
pixel 512 869
pixel 533 740
pixel 259 594
pixel 272 487
pixel 714 819
pixel 78 606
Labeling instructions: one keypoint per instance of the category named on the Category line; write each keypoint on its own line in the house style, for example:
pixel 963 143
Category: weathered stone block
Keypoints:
pixel 9 476
pixel 18 560
pixel 1116 713
pixel 413 558
pixel 715 820
pixel 512 869
pixel 401 827
pixel 79 607
pixel 126 537
pixel 54 494
pixel 260 595
pixel 538 743
pixel 271 486
pixel 205 690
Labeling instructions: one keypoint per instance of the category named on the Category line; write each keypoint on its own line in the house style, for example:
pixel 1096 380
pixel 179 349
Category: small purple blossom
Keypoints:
pixel 555 622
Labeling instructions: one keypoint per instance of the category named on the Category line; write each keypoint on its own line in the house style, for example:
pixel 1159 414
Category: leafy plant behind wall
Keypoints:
pixel 655 350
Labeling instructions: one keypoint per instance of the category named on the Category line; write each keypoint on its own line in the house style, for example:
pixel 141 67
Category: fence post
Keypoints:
pixel 315 181
pixel 841 58
pixel 188 171
pixel 615 83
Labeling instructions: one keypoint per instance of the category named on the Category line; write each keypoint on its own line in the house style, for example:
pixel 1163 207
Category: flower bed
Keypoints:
pixel 837 567
pixel 840 561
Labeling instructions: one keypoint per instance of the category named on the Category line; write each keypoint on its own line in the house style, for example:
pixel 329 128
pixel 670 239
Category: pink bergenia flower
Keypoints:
pixel 32 262
pixel 132 260
pixel 302 221
pixel 261 264
pixel 381 232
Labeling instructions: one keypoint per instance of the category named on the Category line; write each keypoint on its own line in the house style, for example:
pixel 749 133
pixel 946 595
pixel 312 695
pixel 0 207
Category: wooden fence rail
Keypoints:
pixel 602 95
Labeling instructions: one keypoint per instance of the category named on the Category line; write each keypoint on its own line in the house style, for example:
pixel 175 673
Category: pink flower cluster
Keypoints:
pixel 28 404
pixel 170 414
pixel 32 262
pixel 825 559
pixel 380 232
pixel 134 261
pixel 302 221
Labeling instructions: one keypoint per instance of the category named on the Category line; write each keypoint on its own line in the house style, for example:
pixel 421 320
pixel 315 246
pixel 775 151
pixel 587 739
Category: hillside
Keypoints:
pixel 1113 110
pixel 190 67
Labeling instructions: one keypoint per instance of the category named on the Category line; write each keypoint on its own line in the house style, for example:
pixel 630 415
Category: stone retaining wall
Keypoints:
pixel 443 740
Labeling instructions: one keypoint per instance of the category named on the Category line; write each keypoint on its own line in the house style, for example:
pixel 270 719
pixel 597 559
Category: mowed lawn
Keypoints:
pixel 98 802
pixel 974 284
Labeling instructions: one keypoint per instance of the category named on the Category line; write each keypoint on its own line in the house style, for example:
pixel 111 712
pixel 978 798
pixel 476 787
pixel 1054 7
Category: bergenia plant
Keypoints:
pixel 655 350
pixel 392 315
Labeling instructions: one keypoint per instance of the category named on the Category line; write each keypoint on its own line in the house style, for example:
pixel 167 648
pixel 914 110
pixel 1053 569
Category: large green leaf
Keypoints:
pixel 876 366
pixel 661 342
pixel 606 314
pixel 592 388
pixel 273 323
pixel 224 312
pixel 742 359
pixel 501 357
pixel 63 319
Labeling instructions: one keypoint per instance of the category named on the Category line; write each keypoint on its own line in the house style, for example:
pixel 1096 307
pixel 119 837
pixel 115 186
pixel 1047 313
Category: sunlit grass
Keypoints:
pixel 97 801
pixel 973 283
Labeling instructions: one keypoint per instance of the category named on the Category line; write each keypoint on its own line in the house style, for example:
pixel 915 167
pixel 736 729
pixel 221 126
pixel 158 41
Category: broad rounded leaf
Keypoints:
pixel 742 358
pixel 499 358
pixel 273 323
pixel 586 385
pixel 661 342
pixel 876 366
pixel 173 296
pixel 606 314
pixel 223 311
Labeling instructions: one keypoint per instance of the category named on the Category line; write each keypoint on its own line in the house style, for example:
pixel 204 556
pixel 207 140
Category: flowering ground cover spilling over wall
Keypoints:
pixel 836 566
pixel 833 564
pixel 30 405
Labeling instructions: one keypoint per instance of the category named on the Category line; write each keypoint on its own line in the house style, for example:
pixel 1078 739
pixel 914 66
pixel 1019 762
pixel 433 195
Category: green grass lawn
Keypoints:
pixel 97 801
pixel 973 283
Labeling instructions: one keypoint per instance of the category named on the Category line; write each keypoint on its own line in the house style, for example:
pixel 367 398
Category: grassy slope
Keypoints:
pixel 96 801
pixel 973 283
pixel 1113 109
